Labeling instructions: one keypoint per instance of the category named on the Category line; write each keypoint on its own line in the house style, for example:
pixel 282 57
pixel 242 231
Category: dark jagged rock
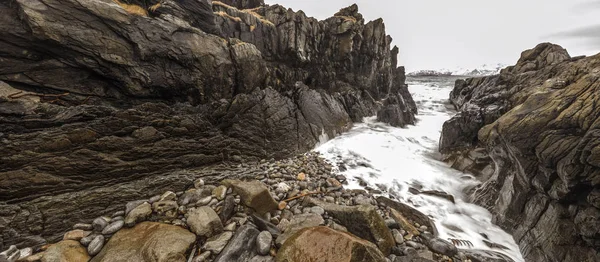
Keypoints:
pixel 531 133
pixel 100 106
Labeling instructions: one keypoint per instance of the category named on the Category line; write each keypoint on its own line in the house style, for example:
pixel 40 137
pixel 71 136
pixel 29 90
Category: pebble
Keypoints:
pixel 100 223
pixel 217 243
pixel 154 199
pixel 397 236
pixel 82 226
pixel 10 255
pixel 317 210
pixel 87 240
pixel 263 243
pixel 133 204
pixel 168 196
pixel 119 214
pixel 301 176
pixel 76 234
pixel 282 188
pixel 220 192
pixel 96 245
pixel 198 183
pixel 230 227
pixel 25 252
pixel 204 201
pixel 113 227
pixel 202 257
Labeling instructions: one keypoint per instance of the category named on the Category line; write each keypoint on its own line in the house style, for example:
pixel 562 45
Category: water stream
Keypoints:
pixel 398 159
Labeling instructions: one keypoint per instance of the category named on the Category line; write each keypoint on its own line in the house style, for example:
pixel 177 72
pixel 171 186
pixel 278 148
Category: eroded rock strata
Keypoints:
pixel 103 102
pixel 531 135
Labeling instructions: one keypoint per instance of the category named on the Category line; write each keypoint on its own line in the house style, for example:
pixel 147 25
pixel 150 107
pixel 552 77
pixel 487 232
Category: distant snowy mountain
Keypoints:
pixel 483 70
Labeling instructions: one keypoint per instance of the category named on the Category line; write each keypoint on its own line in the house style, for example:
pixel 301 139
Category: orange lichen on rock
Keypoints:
pixel 132 9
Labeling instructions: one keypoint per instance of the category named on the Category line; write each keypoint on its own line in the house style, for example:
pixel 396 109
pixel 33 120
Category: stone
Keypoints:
pixel 219 192
pixel 317 210
pixel 147 240
pixel 301 176
pixel 88 239
pixel 26 252
pixel 228 209
pixel 254 194
pixel 10 255
pixel 216 243
pixel 441 246
pixel 241 247
pixel 132 205
pixel 166 208
pixel 113 227
pixel 66 251
pixel 96 245
pixel 264 225
pixel 76 234
pixel 230 227
pixel 282 188
pixel 263 243
pixel 202 257
pixel 82 226
pixel 168 196
pixel 198 183
pixel 325 244
pixel 362 221
pixel 397 236
pixel 100 223
pixel 297 223
pixel 262 259
pixel 138 214
pixel 204 201
pixel 204 221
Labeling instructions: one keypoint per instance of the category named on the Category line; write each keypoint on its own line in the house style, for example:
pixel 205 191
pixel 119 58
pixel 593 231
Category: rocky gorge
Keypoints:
pixel 103 102
pixel 530 134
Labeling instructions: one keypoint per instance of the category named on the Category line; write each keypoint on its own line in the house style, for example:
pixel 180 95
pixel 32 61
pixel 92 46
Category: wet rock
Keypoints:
pixel 66 251
pixel 203 221
pixel 216 243
pixel 476 255
pixel 138 214
pixel 254 194
pixel 297 223
pixel 96 245
pixel 241 247
pixel 161 242
pixel 262 259
pixel 441 246
pixel 325 244
pixel 263 243
pixel 362 221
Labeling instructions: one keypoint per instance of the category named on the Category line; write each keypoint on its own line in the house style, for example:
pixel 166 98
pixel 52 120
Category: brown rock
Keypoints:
pixel 76 234
pixel 327 245
pixel 66 251
pixel 147 241
pixel 254 194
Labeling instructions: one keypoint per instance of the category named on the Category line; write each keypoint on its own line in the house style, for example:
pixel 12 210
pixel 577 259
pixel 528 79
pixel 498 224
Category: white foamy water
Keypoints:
pixel 395 159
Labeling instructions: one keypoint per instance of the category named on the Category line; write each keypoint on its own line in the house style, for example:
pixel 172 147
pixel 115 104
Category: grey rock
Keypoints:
pixel 113 227
pixel 317 210
pixel 99 224
pixel 204 221
pixel 87 240
pixel 216 243
pixel 132 205
pixel 397 236
pixel 202 257
pixel 441 246
pixel 96 245
pixel 227 209
pixel 297 223
pixel 241 247
pixel 82 226
pixel 263 243
pixel 138 214
pixel 10 255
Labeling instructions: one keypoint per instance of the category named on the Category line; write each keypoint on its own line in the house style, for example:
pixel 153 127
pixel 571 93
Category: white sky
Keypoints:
pixel 433 34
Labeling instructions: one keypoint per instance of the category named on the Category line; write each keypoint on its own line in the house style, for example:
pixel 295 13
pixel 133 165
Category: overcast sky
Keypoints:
pixel 433 34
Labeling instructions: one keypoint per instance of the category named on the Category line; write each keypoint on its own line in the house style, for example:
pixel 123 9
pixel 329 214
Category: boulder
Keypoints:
pixel 254 194
pixel 326 244
pixel 216 243
pixel 362 221
pixel 298 223
pixel 147 241
pixel 204 221
pixel 66 251
pixel 138 214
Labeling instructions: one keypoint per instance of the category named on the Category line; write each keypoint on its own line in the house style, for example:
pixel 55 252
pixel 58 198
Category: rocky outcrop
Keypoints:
pixel 100 105
pixel 531 135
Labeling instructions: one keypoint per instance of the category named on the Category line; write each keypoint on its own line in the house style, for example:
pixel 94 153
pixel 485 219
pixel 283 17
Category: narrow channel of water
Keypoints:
pixel 398 159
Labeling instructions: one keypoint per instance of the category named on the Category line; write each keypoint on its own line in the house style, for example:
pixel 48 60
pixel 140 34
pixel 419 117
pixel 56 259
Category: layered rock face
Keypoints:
pixel 100 105
pixel 531 135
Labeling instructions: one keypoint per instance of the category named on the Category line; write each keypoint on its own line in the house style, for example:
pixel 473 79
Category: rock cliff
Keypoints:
pixel 103 102
pixel 531 135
